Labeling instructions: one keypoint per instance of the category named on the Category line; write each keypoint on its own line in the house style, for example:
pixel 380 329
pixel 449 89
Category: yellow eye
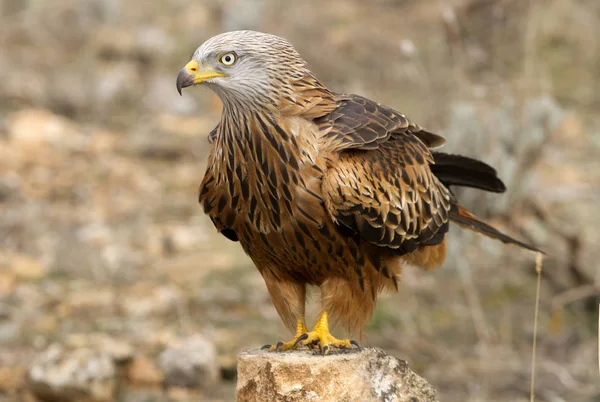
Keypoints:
pixel 228 59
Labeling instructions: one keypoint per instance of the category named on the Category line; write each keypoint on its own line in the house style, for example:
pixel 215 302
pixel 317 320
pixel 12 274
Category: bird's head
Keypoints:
pixel 245 67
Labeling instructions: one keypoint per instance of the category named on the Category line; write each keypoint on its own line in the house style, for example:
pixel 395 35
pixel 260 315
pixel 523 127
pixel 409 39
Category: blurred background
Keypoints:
pixel 113 283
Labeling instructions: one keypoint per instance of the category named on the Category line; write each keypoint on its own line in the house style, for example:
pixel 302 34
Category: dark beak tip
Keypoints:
pixel 183 80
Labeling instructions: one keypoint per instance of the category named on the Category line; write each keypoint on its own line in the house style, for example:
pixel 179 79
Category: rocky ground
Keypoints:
pixel 112 281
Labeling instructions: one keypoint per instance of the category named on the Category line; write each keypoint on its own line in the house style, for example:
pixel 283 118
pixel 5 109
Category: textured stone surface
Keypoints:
pixel 64 374
pixel 190 363
pixel 345 376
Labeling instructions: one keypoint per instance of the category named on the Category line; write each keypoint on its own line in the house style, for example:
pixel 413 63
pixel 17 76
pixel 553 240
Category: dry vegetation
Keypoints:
pixel 100 160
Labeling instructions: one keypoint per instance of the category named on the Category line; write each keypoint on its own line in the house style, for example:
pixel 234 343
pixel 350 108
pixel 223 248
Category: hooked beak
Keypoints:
pixel 192 75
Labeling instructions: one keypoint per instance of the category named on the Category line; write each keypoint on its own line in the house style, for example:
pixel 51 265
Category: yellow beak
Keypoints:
pixel 191 75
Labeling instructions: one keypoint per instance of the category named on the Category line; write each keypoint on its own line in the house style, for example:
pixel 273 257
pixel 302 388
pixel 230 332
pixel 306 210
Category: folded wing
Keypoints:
pixel 380 185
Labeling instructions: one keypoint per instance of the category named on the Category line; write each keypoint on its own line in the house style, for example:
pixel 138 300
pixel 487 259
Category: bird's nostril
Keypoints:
pixel 194 69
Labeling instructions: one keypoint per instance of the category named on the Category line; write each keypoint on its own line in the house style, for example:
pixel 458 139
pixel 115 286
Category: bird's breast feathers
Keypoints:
pixel 265 180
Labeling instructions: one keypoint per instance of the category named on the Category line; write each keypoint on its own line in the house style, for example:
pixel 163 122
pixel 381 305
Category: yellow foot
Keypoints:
pixel 293 344
pixel 321 337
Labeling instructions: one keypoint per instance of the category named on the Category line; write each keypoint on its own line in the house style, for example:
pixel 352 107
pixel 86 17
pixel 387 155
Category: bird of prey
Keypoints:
pixel 324 189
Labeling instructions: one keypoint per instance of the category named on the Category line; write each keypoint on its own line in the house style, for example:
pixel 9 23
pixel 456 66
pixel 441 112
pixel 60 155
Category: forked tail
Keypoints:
pixel 467 220
pixel 457 170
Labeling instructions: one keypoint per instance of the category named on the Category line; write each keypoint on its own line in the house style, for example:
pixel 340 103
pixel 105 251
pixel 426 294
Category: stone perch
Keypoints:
pixel 342 376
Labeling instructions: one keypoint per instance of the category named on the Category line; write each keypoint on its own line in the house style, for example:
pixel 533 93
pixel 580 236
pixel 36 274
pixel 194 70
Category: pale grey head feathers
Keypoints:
pixel 264 66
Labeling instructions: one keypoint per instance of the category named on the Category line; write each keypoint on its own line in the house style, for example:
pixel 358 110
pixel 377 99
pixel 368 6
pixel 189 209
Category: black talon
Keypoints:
pixel 300 339
pixel 278 346
pixel 353 342
pixel 265 347
pixel 325 349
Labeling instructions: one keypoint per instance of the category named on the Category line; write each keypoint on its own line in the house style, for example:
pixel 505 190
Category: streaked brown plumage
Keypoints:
pixel 320 188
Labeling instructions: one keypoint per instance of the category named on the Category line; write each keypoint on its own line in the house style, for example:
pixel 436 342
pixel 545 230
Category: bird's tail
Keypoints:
pixel 462 171
pixel 467 220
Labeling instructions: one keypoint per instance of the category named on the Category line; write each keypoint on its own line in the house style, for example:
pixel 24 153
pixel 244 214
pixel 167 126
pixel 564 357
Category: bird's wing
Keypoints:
pixel 379 183
pixel 359 123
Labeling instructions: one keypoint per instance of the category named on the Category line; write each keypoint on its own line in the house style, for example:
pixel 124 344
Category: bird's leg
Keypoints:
pixel 321 336
pixel 289 299
pixel 293 344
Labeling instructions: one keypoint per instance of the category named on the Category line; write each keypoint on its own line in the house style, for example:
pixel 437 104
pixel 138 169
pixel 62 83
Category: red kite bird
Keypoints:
pixel 321 188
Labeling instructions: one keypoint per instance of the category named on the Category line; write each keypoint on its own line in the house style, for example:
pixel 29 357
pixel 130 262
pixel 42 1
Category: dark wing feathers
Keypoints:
pixel 230 234
pixel 430 139
pixel 381 186
pixel 359 123
pixel 386 185
pixel 462 171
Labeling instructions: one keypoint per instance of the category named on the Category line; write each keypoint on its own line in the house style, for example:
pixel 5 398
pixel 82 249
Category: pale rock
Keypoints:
pixel 185 237
pixel 119 350
pixel 182 268
pixel 90 299
pixel 190 363
pixel 7 283
pixel 33 128
pixel 407 47
pixel 146 42
pixel 161 337
pixel 9 159
pixel 72 374
pixel 104 141
pixel 10 331
pixel 158 146
pixel 22 266
pixel 29 297
pixel 153 242
pixel 95 234
pixel 154 41
pixel 197 14
pixel 146 299
pixel 352 375
pixel 160 97
pixel 11 379
pixel 115 80
pixel 143 372
pixel 184 125
pixel 47 323
pixel 570 131
pixel 184 394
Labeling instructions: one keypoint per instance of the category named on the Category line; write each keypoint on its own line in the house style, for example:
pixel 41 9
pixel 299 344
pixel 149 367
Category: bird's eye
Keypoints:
pixel 228 59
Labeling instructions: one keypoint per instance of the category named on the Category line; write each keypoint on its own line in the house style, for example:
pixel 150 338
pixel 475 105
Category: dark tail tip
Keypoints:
pixel 467 220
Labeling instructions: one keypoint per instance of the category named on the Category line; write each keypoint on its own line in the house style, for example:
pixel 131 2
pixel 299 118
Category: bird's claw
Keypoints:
pixel 327 348
pixel 353 342
pixel 300 339
pixel 319 337
pixel 324 341
pixel 283 346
